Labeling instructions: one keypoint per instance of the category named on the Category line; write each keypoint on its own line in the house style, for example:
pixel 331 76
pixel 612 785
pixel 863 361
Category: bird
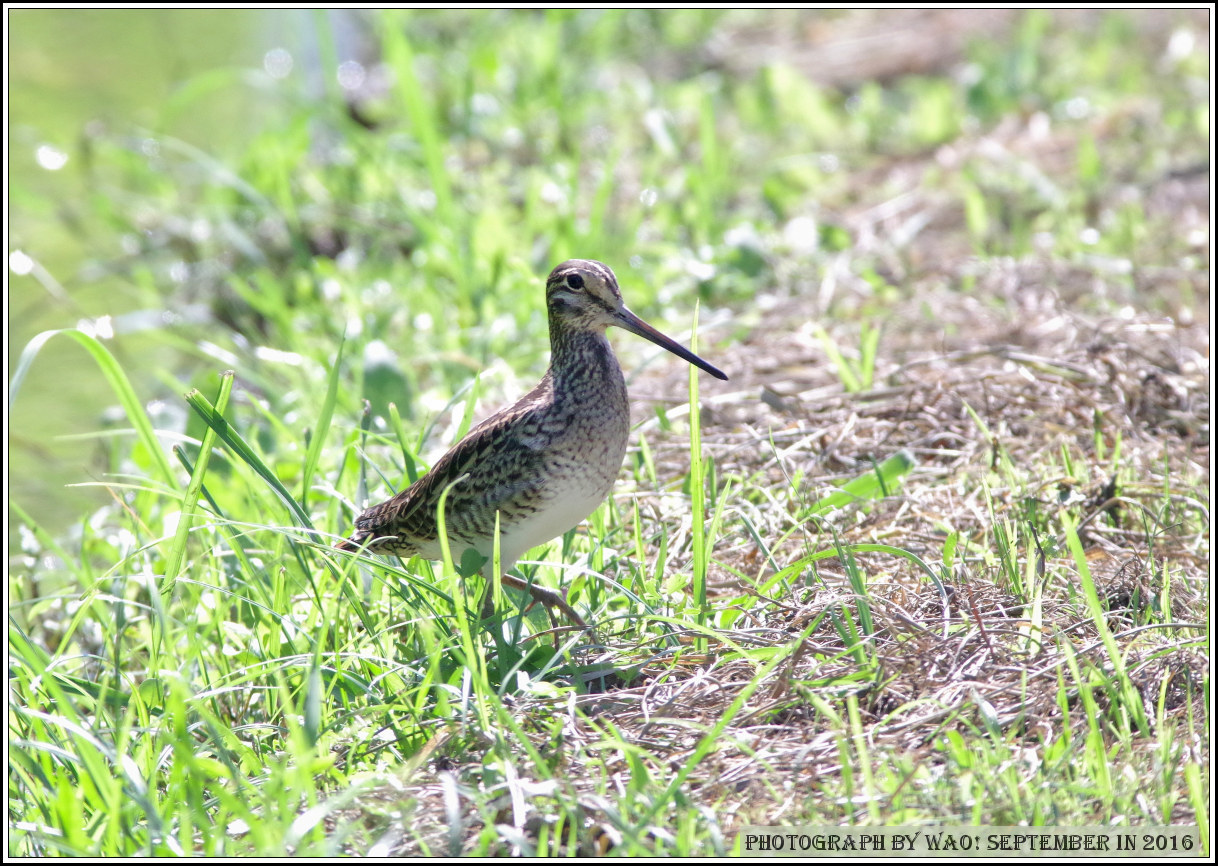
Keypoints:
pixel 542 464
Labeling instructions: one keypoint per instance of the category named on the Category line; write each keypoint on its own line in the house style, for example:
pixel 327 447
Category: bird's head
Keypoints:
pixel 583 295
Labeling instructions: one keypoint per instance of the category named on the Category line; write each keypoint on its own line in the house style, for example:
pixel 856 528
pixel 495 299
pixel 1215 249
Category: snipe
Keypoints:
pixel 545 463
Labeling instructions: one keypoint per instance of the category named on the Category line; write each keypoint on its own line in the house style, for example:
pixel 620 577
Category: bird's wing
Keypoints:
pixel 503 460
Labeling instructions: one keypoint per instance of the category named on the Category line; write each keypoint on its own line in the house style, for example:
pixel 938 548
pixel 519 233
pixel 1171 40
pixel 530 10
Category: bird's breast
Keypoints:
pixel 579 466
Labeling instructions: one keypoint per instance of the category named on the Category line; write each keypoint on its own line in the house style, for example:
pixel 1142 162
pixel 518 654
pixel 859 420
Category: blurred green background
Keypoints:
pixel 84 82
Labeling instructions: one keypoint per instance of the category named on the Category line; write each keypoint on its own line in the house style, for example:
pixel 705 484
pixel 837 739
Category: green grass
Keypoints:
pixel 879 593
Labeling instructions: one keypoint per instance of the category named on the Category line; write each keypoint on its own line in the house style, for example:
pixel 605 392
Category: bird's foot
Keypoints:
pixel 547 597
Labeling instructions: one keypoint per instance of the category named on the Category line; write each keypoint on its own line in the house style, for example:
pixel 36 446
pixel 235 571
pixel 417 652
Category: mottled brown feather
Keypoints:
pixel 490 449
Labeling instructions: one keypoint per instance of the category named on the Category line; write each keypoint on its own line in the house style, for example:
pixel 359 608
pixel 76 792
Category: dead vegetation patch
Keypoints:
pixel 989 393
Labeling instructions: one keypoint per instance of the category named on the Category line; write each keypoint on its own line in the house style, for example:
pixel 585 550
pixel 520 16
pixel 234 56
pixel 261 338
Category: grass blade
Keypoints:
pixel 177 549
pixel 881 481
pixel 215 420
pixel 317 443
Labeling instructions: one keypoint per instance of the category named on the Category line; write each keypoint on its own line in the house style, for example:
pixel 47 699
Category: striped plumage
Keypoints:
pixel 544 463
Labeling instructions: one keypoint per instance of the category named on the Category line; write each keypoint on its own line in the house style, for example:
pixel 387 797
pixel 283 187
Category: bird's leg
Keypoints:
pixel 547 597
pixel 488 602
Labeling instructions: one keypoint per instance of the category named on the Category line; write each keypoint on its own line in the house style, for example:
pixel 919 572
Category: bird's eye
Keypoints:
pixel 575 281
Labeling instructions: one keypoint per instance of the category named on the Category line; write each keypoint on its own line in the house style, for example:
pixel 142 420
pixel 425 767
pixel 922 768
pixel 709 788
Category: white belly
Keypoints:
pixel 559 515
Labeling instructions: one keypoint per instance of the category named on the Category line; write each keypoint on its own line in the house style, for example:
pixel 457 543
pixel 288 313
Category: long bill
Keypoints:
pixel 632 323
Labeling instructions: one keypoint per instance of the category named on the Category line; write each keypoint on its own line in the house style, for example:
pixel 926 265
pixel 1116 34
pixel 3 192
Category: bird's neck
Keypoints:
pixel 582 355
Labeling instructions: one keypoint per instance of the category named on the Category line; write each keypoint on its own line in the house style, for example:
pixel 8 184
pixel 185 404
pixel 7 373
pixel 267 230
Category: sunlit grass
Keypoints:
pixel 195 670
